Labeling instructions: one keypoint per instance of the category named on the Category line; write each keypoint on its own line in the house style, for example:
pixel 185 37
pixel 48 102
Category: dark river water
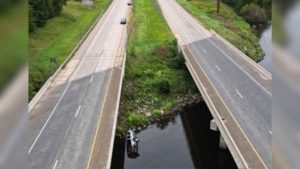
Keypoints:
pixel 182 141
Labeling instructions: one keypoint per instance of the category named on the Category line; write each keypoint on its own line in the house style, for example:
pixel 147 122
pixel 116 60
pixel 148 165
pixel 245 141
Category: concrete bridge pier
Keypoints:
pixel 214 127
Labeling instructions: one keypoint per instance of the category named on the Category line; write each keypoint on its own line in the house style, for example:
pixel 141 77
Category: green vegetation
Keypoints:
pixel 226 23
pixel 156 78
pixel 136 119
pixel 254 14
pixel 261 6
pixel 42 10
pixel 58 38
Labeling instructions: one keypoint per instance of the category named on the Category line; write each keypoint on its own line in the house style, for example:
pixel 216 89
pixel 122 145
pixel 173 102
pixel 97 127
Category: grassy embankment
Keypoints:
pixel 58 38
pixel 156 79
pixel 227 23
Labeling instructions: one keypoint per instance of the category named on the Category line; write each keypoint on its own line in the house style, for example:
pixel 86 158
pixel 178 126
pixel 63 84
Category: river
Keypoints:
pixel 182 141
pixel 265 41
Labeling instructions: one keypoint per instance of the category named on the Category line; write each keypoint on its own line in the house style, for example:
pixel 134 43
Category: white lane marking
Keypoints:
pixel 77 111
pixel 218 115
pixel 239 93
pixel 270 132
pixel 91 79
pixel 55 164
pixel 226 130
pixel 242 69
pixel 204 50
pixel 188 17
pixel 48 118
pixel 218 68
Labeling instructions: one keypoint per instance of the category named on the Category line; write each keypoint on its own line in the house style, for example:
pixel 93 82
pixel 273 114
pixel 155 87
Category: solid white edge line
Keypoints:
pixel 78 109
pixel 55 164
pixel 239 93
pixel 188 17
pixel 48 118
pixel 222 124
pixel 223 101
pixel 260 85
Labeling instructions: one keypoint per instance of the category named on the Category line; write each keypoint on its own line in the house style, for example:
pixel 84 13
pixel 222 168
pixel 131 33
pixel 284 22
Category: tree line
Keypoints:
pixel 254 11
pixel 42 10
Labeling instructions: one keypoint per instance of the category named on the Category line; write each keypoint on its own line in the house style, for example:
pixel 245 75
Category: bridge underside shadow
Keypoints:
pixel 203 142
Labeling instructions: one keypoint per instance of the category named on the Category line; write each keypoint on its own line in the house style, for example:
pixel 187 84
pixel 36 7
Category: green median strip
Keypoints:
pixel 156 78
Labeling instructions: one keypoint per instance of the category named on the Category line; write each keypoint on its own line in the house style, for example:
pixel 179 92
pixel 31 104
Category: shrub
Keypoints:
pixel 163 86
pixel 135 119
pixel 253 13
pixel 120 131
pixel 177 62
pixel 156 112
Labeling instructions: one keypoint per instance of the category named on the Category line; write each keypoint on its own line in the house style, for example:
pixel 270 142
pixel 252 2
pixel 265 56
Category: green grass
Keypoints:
pixel 155 76
pixel 58 38
pixel 227 23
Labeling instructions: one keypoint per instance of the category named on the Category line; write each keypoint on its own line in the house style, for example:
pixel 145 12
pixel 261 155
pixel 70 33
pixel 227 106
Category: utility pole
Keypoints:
pixel 218 5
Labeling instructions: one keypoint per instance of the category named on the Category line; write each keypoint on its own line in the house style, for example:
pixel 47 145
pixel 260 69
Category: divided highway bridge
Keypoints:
pixel 72 119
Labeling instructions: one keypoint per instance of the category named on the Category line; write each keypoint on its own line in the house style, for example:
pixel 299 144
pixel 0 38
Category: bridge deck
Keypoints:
pixel 235 88
pixel 81 102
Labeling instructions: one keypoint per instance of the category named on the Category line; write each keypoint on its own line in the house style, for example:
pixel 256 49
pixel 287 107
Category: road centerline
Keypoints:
pixel 78 110
pixel 218 68
pixel 239 93
pixel 91 78
pixel 54 167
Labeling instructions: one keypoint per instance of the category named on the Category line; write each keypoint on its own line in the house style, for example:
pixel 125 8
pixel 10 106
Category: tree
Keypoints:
pixel 32 20
pixel 218 6
pixel 253 13
pixel 42 10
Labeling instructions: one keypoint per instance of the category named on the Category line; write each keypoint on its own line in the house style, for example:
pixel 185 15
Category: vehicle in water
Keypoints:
pixel 132 144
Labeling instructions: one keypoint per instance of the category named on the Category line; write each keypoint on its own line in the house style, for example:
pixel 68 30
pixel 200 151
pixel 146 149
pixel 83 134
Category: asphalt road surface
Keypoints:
pixel 244 86
pixel 63 123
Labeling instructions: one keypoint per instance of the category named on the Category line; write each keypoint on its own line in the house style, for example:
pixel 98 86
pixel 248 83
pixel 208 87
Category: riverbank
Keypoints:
pixel 266 44
pixel 58 38
pixel 181 140
pixel 156 79
pixel 226 23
